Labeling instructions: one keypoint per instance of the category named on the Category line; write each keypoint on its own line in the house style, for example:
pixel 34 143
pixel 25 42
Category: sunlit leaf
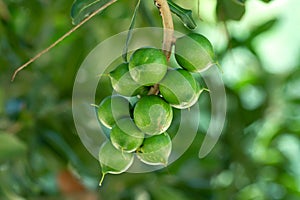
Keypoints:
pixel 262 28
pixel 11 147
pixel 83 8
pixel 184 14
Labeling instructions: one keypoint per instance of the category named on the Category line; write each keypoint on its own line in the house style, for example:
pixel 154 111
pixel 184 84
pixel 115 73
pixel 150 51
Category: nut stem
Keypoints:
pixel 168 39
pixel 168 26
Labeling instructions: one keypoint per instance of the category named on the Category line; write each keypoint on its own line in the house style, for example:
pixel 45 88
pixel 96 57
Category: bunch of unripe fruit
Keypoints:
pixel 139 127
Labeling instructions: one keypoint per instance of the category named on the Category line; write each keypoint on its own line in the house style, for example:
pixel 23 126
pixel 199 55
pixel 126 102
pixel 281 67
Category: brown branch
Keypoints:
pixel 154 90
pixel 61 39
pixel 168 39
pixel 167 20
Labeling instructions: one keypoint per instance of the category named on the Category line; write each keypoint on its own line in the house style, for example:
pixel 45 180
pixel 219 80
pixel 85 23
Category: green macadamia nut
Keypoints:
pixel 148 66
pixel 179 88
pixel 125 135
pixel 112 160
pixel 152 115
pixel 111 109
pixel 156 150
pixel 194 52
pixel 123 84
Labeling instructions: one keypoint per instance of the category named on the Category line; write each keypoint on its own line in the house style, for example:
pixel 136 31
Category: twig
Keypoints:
pixel 154 90
pixel 168 39
pixel 61 39
pixel 165 12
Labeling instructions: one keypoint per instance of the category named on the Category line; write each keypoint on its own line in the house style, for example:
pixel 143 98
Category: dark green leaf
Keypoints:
pixel 230 10
pixel 57 142
pixel 267 1
pixel 129 35
pixel 263 27
pixel 241 1
pixel 83 8
pixel 11 147
pixel 184 14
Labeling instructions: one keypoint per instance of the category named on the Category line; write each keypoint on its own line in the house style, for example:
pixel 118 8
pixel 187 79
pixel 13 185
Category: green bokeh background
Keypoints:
pixel 257 156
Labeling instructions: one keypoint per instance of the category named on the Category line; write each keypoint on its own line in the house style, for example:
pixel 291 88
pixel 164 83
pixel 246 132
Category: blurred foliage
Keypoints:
pixel 257 157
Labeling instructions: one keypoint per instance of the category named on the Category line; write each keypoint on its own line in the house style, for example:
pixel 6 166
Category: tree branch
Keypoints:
pixel 61 39
pixel 168 40
pixel 168 26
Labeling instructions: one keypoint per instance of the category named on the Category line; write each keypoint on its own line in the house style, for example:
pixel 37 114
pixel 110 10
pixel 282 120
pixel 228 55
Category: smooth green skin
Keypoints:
pixel 126 136
pixel 152 115
pixel 194 52
pixel 123 83
pixel 148 66
pixel 111 109
pixel 113 161
pixel 179 88
pixel 156 150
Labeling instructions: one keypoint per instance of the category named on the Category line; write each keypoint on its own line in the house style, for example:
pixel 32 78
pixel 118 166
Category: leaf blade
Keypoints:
pixel 230 10
pixel 129 35
pixel 11 147
pixel 184 15
pixel 83 8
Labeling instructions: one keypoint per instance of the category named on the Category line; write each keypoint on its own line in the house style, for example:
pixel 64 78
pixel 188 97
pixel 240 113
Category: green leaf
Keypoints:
pixel 184 14
pixel 83 8
pixel 241 1
pixel 11 147
pixel 62 148
pixel 263 28
pixel 230 10
pixel 267 1
pixel 129 35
